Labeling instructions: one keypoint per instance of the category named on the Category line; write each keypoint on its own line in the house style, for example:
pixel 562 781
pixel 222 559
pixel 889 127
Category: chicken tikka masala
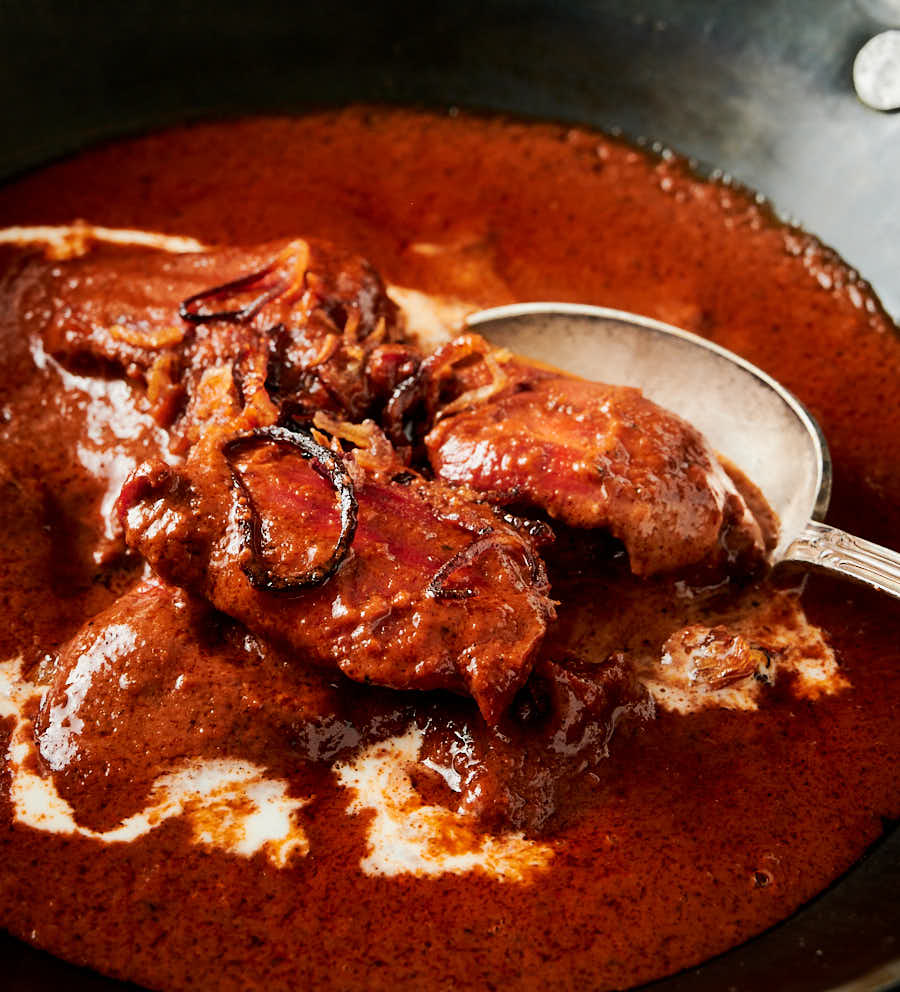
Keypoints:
pixel 345 650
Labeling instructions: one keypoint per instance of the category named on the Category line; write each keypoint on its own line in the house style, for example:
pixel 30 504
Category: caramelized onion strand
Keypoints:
pixel 330 467
pixel 483 542
pixel 287 280
pixel 406 394
pixel 188 311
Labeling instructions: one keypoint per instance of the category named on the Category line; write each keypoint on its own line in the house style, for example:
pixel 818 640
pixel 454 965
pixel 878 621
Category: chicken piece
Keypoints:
pixel 159 677
pixel 518 774
pixel 311 323
pixel 588 454
pixel 392 579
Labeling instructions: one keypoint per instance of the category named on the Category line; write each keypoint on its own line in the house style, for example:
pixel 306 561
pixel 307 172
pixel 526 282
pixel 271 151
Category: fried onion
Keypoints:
pixel 285 276
pixel 330 467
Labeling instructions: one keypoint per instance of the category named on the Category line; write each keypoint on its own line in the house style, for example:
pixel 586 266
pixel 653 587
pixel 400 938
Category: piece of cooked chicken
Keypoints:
pixel 390 578
pixel 588 454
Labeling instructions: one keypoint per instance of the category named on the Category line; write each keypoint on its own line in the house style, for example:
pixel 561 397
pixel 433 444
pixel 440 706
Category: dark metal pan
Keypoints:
pixel 760 90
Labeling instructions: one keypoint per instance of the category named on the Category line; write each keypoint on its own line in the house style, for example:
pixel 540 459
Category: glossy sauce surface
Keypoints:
pixel 699 830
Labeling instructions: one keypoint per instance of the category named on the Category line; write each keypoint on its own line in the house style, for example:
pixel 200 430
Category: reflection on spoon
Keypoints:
pixel 746 415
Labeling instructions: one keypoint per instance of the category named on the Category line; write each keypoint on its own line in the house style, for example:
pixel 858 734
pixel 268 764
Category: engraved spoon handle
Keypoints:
pixel 835 550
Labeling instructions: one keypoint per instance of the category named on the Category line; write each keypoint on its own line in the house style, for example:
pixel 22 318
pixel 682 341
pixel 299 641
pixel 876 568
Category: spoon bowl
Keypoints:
pixel 746 415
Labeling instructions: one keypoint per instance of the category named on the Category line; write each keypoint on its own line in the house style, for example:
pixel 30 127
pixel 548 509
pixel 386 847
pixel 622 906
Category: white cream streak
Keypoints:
pixel 795 645
pixel 71 240
pixel 407 836
pixel 230 804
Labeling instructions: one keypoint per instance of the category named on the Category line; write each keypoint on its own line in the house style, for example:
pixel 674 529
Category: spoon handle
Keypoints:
pixel 837 551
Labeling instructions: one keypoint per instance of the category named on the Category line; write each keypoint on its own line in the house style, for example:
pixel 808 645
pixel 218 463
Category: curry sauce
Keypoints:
pixel 186 805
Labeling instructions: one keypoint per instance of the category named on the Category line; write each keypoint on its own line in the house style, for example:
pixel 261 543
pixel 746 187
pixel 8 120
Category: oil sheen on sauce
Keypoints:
pixel 230 866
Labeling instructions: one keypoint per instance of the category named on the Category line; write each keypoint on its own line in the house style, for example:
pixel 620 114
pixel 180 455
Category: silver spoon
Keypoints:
pixel 745 414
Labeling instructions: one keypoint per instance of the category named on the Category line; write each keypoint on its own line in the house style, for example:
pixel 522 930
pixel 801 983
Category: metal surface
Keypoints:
pixel 761 90
pixel 836 551
pixel 876 71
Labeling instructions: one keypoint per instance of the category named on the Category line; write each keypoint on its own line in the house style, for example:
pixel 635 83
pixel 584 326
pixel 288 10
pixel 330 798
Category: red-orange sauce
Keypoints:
pixel 662 867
